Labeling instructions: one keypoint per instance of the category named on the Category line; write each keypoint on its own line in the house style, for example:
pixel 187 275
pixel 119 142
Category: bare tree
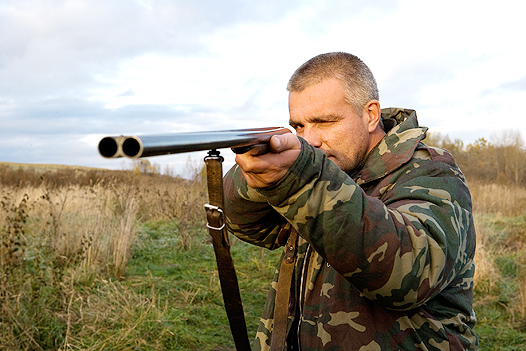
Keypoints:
pixel 510 154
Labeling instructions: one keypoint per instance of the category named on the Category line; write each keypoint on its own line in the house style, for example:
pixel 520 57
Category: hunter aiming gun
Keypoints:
pixel 240 141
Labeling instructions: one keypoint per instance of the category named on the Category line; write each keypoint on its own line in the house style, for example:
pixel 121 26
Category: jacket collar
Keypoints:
pixel 396 148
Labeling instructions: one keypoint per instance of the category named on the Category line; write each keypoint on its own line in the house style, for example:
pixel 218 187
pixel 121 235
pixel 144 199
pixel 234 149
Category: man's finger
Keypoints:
pixel 284 142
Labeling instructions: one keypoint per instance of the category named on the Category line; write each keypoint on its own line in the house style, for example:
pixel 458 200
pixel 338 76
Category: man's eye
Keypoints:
pixel 298 127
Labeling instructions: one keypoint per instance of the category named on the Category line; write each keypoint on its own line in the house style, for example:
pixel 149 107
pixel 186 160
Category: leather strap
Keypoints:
pixel 281 304
pixel 225 266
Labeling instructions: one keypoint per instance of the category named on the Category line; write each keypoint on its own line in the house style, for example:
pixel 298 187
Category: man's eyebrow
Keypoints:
pixel 325 118
pixel 319 119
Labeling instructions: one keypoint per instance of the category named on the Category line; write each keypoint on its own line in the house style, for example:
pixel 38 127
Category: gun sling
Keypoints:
pixel 225 266
pixel 281 304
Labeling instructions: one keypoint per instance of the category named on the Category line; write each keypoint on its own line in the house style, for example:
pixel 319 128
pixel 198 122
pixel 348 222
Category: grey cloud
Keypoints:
pixel 53 131
pixel 338 10
pixel 516 85
pixel 403 87
pixel 59 48
pixel 68 116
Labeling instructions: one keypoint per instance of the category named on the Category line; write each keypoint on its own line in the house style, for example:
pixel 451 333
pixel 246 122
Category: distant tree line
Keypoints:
pixel 53 177
pixel 501 160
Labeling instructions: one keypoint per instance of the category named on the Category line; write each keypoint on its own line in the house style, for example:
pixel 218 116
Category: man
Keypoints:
pixel 384 257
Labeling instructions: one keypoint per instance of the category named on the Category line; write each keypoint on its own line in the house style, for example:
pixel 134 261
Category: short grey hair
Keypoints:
pixel 356 78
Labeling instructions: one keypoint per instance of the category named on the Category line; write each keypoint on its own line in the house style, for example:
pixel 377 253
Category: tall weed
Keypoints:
pixel 500 275
pixel 67 238
pixel 486 273
pixel 502 199
pixel 63 234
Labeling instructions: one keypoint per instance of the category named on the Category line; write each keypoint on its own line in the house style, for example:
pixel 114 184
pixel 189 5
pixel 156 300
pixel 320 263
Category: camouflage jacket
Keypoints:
pixel 385 255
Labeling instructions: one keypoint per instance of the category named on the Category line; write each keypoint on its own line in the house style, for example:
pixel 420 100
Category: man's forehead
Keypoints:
pixel 317 105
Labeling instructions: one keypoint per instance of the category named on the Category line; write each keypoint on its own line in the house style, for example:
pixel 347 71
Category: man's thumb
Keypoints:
pixel 282 142
pixel 275 143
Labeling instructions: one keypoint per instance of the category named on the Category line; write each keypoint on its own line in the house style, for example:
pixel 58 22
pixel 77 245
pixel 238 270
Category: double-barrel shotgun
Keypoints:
pixel 239 140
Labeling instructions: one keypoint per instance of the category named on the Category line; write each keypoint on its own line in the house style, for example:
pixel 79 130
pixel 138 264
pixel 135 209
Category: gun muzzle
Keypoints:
pixel 111 147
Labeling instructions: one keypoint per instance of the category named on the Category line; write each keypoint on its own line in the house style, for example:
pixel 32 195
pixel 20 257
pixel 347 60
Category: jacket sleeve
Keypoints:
pixel 400 250
pixel 249 216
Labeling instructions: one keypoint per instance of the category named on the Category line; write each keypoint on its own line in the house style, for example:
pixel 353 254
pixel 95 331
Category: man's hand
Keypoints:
pixel 266 170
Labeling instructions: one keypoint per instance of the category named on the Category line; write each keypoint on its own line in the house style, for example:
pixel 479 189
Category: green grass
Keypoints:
pixel 495 331
pixel 170 298
pixel 192 315
pixel 187 287
pixel 59 289
pixel 500 323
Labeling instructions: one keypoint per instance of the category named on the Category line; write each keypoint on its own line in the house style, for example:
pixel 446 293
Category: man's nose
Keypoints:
pixel 312 136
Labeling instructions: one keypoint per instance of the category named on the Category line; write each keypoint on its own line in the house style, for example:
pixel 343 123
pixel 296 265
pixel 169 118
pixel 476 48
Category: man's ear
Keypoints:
pixel 372 113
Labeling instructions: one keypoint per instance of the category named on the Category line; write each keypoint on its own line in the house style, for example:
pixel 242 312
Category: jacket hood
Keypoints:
pixel 403 135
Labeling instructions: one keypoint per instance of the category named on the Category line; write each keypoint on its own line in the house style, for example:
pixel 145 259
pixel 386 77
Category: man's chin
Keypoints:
pixel 334 160
pixel 343 166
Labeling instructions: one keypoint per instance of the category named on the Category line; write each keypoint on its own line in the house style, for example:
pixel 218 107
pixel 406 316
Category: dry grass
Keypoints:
pixel 521 281
pixel 66 241
pixel 500 220
pixel 501 199
pixel 486 273
pixel 57 237
pixel 97 224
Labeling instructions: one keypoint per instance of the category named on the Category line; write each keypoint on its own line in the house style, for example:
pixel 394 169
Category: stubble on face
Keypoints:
pixel 322 116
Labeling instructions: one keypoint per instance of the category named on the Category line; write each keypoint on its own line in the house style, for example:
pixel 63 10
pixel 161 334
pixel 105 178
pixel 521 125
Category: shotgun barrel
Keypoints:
pixel 239 140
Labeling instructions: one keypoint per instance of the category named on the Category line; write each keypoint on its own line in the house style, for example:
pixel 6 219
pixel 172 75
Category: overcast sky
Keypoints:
pixel 74 71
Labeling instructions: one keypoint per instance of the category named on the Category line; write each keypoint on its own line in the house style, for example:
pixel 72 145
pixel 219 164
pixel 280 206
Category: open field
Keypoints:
pixel 100 260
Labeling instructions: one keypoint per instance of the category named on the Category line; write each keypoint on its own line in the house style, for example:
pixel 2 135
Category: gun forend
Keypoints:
pixel 239 140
